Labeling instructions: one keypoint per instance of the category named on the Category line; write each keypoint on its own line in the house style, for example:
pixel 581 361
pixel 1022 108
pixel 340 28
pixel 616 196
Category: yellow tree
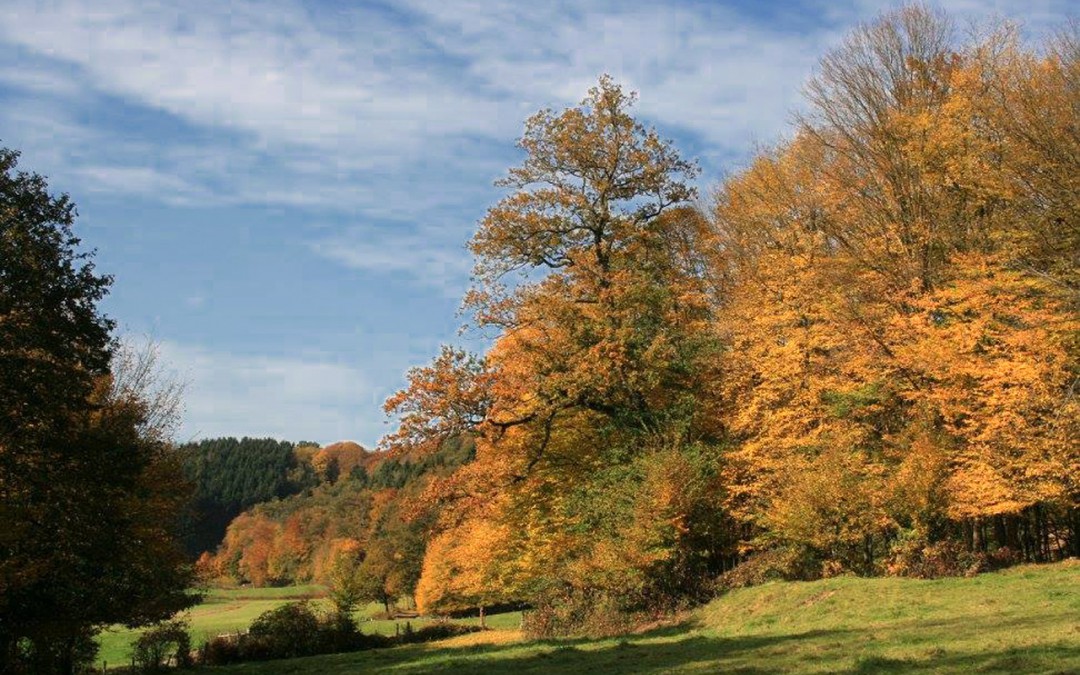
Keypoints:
pixel 592 275
pixel 894 329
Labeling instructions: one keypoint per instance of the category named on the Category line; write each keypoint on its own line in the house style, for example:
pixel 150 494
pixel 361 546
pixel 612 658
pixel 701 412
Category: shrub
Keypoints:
pixel 153 649
pixel 579 612
pixel 287 631
pixel 778 564
pixel 913 556
pixel 435 631
pixel 221 650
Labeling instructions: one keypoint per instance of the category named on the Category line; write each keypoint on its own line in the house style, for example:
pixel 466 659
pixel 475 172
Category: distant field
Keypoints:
pixel 221 611
pixel 227 610
pixel 1024 620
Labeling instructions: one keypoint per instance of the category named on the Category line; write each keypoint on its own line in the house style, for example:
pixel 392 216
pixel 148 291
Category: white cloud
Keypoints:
pixel 140 180
pixel 389 113
pixel 426 256
pixel 299 397
pixel 275 75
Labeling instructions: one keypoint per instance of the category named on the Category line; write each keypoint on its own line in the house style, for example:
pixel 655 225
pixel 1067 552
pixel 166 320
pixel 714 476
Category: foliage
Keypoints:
pixel 344 585
pixel 435 631
pixel 902 335
pixel 576 612
pixel 370 513
pixel 232 475
pixel 594 258
pixel 153 650
pixel 91 490
pixel 863 359
pixel 912 556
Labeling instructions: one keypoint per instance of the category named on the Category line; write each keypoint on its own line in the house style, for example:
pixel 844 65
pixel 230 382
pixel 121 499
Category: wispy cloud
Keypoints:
pixel 297 397
pixel 330 108
pixel 426 256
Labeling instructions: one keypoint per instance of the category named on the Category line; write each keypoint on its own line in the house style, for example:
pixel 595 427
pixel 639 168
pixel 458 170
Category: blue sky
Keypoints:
pixel 283 190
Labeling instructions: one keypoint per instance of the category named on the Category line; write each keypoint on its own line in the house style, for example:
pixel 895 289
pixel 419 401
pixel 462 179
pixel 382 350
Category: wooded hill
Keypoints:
pixel 343 507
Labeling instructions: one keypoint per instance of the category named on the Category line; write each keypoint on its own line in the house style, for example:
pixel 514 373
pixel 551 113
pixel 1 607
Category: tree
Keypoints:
pixel 592 271
pixel 90 496
pixel 899 304
pixel 344 584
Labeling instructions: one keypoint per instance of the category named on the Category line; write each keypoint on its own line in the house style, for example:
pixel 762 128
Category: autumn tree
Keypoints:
pixel 90 490
pixel 887 303
pixel 591 273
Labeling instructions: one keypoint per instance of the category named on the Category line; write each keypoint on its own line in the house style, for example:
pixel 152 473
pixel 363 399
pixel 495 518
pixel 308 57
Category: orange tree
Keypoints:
pixel 591 274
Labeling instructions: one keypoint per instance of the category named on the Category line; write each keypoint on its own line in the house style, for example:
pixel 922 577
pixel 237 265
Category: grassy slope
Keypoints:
pixel 1022 620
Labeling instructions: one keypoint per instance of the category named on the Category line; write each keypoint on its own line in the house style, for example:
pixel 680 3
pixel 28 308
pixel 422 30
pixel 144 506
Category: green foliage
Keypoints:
pixel 344 584
pixel 91 499
pixel 152 651
pixel 288 631
pixel 231 475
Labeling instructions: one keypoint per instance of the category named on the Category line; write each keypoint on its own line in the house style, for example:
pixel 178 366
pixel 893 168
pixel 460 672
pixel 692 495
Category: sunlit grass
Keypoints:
pixel 1022 620
pixel 233 609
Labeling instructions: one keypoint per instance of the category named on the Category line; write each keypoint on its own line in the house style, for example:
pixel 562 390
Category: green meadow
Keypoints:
pixel 233 609
pixel 1023 620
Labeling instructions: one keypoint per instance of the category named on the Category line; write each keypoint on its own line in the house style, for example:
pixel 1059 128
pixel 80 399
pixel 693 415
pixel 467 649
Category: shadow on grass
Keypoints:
pixel 685 647
pixel 658 651
pixel 1045 659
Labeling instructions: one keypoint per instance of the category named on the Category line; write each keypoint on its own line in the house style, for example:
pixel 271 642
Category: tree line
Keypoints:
pixel 859 354
pixel 230 475
pixel 361 530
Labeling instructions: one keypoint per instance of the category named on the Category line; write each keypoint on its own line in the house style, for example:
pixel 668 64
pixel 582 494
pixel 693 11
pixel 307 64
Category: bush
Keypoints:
pixel 153 649
pixel 778 564
pixel 221 650
pixel 912 556
pixel 435 631
pixel 289 631
pixel 579 612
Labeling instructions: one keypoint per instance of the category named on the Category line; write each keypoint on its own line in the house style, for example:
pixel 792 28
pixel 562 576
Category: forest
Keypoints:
pixel 859 355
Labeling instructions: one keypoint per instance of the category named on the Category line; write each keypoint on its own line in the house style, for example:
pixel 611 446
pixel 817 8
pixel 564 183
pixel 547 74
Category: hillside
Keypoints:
pixel 360 509
pixel 1020 620
pixel 230 475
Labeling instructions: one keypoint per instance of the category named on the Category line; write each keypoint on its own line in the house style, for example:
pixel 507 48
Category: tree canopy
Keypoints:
pixel 90 500
pixel 860 355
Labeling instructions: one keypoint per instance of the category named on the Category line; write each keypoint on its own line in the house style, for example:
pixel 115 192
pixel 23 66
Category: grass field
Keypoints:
pixel 222 611
pixel 228 610
pixel 1023 620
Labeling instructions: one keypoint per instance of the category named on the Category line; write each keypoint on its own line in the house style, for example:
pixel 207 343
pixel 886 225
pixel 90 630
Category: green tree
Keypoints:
pixel 89 494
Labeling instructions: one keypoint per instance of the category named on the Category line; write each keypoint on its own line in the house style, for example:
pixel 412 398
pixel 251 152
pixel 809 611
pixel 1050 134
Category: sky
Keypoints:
pixel 283 190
